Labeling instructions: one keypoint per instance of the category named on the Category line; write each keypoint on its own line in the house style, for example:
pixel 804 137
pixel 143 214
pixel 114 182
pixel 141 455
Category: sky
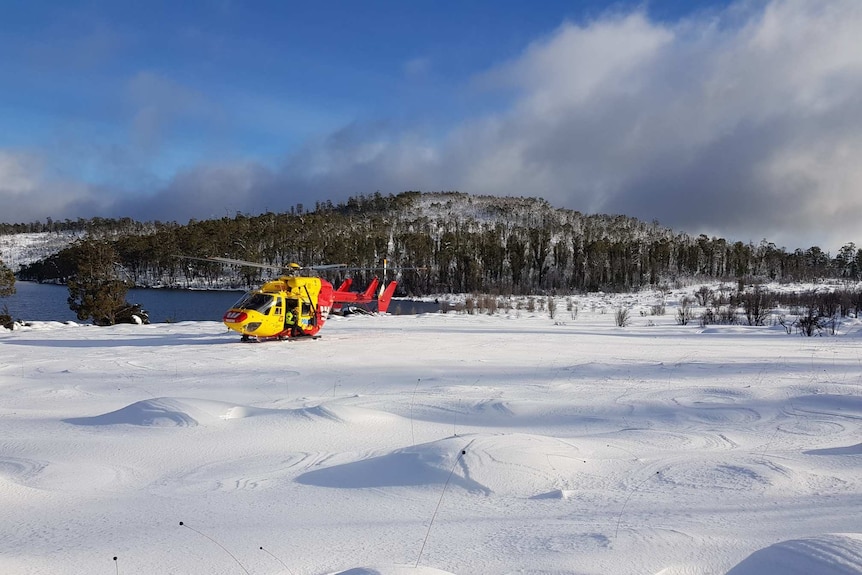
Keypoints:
pixel 740 119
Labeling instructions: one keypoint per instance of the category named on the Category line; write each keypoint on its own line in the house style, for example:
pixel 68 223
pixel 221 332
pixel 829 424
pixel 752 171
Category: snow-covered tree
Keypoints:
pixel 96 291
pixel 7 281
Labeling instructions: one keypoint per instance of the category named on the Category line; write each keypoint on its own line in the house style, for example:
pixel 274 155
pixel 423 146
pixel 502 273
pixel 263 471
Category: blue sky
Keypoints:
pixel 738 119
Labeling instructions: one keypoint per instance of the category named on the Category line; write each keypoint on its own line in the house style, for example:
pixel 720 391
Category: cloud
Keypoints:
pixel 744 123
pixel 27 194
pixel 748 130
pixel 205 192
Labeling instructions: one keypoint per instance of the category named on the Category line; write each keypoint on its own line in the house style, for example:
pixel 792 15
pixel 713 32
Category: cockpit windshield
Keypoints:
pixel 260 302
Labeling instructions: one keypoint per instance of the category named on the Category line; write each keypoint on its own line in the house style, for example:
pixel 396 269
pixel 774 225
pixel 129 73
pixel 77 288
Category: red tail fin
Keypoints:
pixel 368 294
pixel 386 297
pixel 345 285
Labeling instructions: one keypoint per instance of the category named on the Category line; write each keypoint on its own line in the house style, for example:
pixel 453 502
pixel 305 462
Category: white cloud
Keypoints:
pixel 16 174
pixel 744 129
pixel 27 194
pixel 745 123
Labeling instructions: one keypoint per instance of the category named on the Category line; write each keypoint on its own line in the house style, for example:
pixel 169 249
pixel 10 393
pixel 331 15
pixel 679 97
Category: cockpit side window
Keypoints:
pixel 260 302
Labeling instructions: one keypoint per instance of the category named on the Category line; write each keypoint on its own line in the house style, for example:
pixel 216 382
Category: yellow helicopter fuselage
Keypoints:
pixel 291 306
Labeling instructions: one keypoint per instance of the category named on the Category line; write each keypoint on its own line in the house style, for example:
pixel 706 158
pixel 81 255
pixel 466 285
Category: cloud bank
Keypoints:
pixel 744 123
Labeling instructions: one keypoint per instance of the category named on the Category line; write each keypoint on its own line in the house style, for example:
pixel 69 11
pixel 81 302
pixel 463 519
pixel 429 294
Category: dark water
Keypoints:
pixel 47 302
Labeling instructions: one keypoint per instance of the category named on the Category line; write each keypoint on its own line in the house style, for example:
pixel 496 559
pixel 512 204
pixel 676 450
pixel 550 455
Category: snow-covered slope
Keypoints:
pixel 18 250
pixel 432 444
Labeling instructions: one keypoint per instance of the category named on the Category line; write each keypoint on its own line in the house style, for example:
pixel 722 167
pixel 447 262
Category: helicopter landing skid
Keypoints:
pixel 255 339
pixel 303 338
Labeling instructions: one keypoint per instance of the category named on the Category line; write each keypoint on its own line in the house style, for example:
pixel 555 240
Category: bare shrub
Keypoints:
pixel 756 305
pixel 724 292
pixel 809 324
pixel 622 317
pixel 703 296
pixel 684 313
pixel 856 301
pixel 6 318
pixel 726 315
pixel 491 305
pixel 707 317
pixel 829 304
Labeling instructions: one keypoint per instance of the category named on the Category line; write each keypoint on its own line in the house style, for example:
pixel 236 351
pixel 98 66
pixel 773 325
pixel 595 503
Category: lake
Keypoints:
pixel 47 302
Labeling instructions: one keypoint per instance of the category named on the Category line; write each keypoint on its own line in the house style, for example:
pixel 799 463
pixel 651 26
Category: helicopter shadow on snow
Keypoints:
pixel 154 340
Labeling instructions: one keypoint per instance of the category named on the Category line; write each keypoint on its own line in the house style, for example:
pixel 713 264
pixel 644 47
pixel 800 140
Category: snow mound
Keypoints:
pixel 67 477
pixel 187 412
pixel 348 414
pixel 830 554
pixel 849 450
pixel 563 494
pixel 393 570
pixel 172 412
pixel 520 465
pixel 718 475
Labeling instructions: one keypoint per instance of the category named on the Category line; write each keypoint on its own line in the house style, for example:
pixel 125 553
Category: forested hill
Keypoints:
pixel 448 242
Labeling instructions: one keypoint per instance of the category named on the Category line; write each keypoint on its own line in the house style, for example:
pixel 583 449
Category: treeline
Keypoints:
pixel 101 226
pixel 451 242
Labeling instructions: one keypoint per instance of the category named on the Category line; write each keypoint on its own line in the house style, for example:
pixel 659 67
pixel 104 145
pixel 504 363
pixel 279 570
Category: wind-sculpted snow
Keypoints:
pixel 172 412
pixel 849 450
pixel 511 464
pixel 19 470
pixel 60 476
pixel 512 443
pixel 185 412
pixel 830 554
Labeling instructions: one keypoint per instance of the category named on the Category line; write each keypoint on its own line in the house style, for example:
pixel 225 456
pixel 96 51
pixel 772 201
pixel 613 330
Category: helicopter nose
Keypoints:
pixel 235 317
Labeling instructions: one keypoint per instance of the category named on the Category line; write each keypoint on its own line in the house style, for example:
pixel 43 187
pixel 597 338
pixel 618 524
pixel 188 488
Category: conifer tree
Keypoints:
pixel 96 290
pixel 7 288
pixel 7 281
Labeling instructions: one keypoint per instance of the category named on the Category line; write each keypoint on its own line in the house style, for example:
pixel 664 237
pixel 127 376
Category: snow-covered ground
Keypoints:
pixel 432 444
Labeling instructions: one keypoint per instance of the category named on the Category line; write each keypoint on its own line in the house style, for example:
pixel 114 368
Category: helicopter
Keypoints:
pixel 297 304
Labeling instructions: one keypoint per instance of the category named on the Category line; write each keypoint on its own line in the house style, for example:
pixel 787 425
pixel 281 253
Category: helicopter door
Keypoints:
pixel 292 306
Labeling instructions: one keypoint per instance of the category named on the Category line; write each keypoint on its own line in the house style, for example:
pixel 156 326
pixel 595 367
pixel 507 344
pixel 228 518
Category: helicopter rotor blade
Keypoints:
pixel 325 267
pixel 237 262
